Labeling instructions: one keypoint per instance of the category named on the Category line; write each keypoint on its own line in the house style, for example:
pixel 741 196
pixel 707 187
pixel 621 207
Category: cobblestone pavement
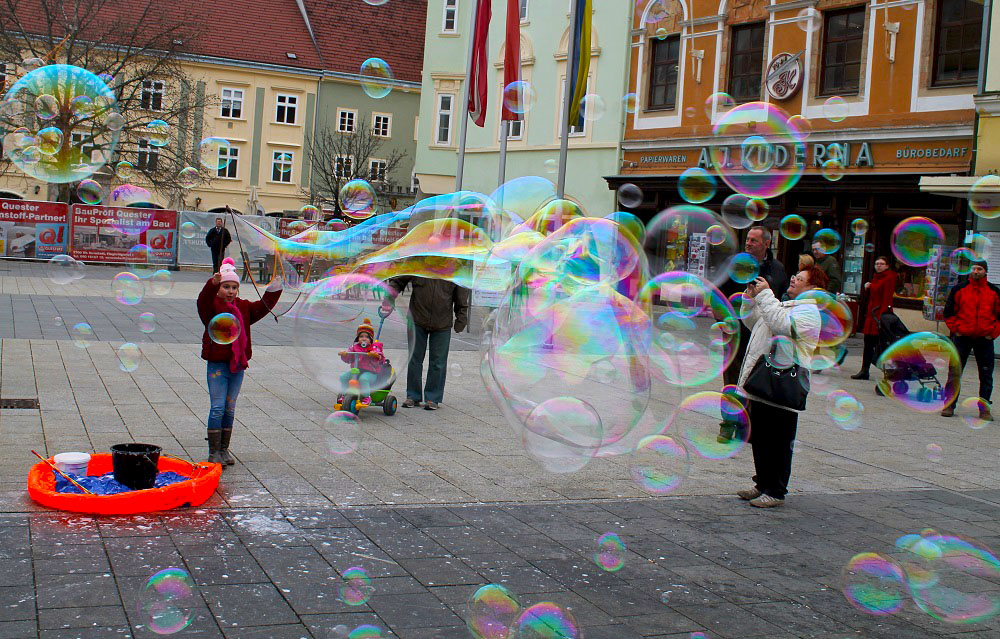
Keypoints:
pixel 434 504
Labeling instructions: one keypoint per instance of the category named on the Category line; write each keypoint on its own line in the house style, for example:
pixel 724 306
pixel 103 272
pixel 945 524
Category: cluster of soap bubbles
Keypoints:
pixel 942 574
pixel 494 612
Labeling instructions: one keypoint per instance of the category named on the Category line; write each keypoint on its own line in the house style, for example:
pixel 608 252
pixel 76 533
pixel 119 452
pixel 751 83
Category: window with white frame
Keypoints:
pixel 86 151
pixel 376 170
pixel 445 110
pixel 381 125
pixel 151 97
pixel 148 156
pixel 343 166
pixel 524 10
pixel 515 130
pixel 346 119
pixel 413 180
pixel 576 128
pixel 4 70
pixel 285 109
pixel 232 103
pixel 229 160
pixel 449 23
pixel 281 166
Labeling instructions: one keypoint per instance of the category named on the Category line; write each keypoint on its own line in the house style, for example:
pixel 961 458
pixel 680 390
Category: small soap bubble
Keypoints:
pixel 610 555
pixel 189 230
pixel 492 612
pixel 629 195
pixel 129 357
pixel 146 322
pixel 82 334
pixel 161 282
pixel 168 601
pixel 342 432
pixel 224 328
pixel 355 587
pixel 127 288
pixel 377 78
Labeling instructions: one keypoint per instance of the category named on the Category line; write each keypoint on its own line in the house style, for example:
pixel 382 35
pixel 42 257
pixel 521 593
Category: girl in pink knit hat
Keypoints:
pixel 227 357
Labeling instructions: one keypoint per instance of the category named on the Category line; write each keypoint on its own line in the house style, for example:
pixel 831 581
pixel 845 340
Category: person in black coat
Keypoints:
pixel 218 239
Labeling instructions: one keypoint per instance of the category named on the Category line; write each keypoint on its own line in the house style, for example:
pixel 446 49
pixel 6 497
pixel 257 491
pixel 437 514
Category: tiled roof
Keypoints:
pixel 351 31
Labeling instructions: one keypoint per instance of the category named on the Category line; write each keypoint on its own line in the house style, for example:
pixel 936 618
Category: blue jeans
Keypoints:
pixel 436 369
pixel 223 389
pixel 365 381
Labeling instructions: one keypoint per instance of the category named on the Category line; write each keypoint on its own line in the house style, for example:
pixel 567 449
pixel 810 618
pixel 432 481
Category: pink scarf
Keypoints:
pixel 239 361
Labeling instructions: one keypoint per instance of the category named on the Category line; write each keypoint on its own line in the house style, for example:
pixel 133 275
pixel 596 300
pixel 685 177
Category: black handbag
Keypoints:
pixel 785 386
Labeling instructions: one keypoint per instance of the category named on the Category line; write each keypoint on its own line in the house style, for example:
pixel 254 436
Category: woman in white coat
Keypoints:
pixel 773 427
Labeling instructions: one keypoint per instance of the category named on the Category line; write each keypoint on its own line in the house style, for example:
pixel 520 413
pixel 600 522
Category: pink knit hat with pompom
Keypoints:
pixel 228 271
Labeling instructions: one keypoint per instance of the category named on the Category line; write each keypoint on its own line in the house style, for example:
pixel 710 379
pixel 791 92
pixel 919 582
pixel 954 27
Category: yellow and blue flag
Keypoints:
pixel 580 64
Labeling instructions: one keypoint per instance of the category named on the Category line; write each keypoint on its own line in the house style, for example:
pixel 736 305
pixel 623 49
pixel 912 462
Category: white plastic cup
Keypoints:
pixel 72 463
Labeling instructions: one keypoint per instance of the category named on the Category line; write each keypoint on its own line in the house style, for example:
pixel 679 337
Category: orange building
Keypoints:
pixel 901 75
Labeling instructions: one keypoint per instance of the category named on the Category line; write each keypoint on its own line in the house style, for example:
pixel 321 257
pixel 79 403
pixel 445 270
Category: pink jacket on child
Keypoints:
pixel 367 362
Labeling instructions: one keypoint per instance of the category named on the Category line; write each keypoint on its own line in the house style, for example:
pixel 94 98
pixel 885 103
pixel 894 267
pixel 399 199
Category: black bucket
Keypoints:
pixel 135 465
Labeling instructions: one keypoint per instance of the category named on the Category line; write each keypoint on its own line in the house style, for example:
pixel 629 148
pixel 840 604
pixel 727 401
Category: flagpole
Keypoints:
pixel 463 126
pixel 504 129
pixel 567 92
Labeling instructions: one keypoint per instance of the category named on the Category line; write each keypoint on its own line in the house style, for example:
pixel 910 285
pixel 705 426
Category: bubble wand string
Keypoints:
pixel 71 480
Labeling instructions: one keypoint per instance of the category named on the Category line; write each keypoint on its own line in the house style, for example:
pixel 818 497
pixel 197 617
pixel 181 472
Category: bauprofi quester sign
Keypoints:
pixel 111 234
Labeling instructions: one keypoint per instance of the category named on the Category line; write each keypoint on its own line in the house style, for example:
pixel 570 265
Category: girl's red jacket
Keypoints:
pixel 209 305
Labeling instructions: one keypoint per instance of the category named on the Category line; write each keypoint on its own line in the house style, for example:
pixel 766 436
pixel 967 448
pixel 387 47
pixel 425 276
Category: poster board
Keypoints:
pixel 30 229
pixel 940 280
pixel 109 234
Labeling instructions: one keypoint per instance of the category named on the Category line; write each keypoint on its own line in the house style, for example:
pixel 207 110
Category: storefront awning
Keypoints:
pixel 431 184
pixel 956 185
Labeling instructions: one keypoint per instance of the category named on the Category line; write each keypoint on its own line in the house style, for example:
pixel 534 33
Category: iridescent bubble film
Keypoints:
pixel 697 420
pixel 127 288
pixel 660 464
pixel 492 613
pixel 355 587
pixel 696 185
pixel 224 328
pixel 610 554
pixel 921 371
pixel 913 240
pixel 772 133
pixel 547 620
pixel 377 78
pixel 168 601
pixel 875 584
pixel 793 227
pixel 828 239
pixel 984 197
pixel 129 357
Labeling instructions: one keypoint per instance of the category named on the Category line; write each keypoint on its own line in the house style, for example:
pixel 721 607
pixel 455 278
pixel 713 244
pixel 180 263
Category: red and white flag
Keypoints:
pixel 478 64
pixel 513 98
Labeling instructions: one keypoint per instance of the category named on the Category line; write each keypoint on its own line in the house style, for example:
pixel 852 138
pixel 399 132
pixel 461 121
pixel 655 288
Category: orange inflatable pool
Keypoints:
pixel 193 492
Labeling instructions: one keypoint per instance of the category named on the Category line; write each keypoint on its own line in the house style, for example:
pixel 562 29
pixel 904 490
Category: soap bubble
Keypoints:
pixel 161 282
pixel 82 334
pixel 742 305
pixel 629 195
pixel 189 230
pixel 913 240
pixel 610 555
pixel 697 420
pixel 50 140
pixel 859 226
pixel 793 227
pixel 961 259
pixel 310 212
pixel 125 170
pixel 30 64
pixel 875 584
pixel 562 434
pixel 551 166
pixel 89 192
pixel 836 319
pixel 696 185
pixel 934 452
pixel 114 121
pixel 844 409
pixel 694 333
pixel 739 210
pixel 973 408
pixel 214 153
pixel 756 154
pixel 716 235
pixel 630 222
pixel 809 19
pixel 659 464
pixel 492 612
pixel 828 239
pixel 455 370
pixel 377 78
pixel 168 601
pixel 912 364
pixel 719 104
pixel 127 288
pixel 65 95
pixel 690 112
pixel 355 587
pixel 357 197
pixel 592 107
pixel 224 328
pixel 342 432
pixel 129 357
pixel 772 130
pixel 546 620
pixel 744 268
pixel 158 133
pixel 146 322
pixel 366 631
pixel 801 127
pixel 832 169
pixel 946 575
pixel 630 102
pixel 188 177
pixel 519 97
pixel 126 195
pixel 667 247
pixel 63 269
pixel 980 245
pixel 835 109
pixel 984 197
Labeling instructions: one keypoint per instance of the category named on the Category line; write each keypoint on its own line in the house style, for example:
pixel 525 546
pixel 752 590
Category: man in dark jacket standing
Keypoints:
pixel 218 239
pixel 432 303
pixel 829 265
pixel 758 244
pixel 972 314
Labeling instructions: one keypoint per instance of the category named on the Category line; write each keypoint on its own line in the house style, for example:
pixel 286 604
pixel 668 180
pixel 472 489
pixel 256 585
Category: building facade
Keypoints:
pixel 887 86
pixel 533 145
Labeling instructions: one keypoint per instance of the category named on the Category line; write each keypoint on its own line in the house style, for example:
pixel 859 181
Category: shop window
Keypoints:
pixel 958 31
pixel 746 61
pixel 663 72
pixel 843 33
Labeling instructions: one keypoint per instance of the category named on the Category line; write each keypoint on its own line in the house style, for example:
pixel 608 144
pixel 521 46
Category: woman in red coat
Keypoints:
pixel 879 292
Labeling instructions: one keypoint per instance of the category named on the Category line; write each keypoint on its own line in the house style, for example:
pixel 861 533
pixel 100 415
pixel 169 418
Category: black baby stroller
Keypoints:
pixel 899 373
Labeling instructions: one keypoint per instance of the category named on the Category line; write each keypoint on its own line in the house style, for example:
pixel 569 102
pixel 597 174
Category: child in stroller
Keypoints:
pixel 899 372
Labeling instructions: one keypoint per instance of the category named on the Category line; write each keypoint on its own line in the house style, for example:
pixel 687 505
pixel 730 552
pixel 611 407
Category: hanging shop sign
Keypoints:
pixel 784 75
